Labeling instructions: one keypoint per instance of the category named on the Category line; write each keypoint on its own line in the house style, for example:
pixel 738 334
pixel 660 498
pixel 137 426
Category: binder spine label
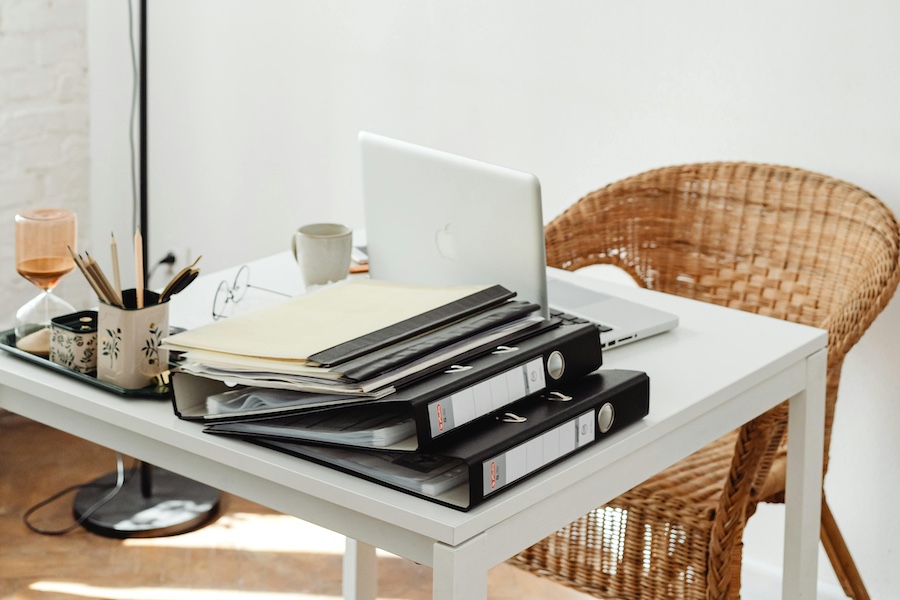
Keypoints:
pixel 528 457
pixel 484 397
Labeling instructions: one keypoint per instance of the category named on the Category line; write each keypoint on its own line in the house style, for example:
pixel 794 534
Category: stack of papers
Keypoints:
pixel 356 338
pixel 368 426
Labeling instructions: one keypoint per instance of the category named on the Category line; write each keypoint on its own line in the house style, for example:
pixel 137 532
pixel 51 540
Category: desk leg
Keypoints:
pixel 360 580
pixel 460 573
pixel 803 493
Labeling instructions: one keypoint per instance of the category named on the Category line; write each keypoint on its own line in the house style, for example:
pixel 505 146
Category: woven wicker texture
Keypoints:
pixel 772 240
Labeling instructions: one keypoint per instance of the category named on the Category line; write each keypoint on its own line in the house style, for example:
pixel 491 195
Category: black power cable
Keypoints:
pixel 120 482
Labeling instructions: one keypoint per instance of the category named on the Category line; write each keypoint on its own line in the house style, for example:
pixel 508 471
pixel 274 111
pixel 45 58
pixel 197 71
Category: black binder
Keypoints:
pixel 497 453
pixel 384 360
pixel 190 392
pixel 465 392
pixel 414 326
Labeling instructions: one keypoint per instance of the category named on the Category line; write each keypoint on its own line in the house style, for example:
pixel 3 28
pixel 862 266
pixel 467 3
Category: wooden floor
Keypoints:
pixel 248 552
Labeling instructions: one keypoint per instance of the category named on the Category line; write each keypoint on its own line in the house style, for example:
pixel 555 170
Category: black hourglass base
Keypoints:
pixel 153 502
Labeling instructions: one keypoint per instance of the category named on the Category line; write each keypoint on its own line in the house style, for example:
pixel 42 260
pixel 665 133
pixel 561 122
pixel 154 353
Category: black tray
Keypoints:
pixel 8 343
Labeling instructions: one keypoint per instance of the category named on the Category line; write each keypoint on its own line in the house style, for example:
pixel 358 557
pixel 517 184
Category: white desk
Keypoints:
pixel 717 370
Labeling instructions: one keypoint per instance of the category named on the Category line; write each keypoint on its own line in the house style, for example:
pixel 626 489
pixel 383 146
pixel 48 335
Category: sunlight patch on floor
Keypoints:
pixel 248 531
pixel 255 533
pixel 80 590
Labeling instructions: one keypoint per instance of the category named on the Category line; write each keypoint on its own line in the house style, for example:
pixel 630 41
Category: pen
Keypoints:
pixel 181 280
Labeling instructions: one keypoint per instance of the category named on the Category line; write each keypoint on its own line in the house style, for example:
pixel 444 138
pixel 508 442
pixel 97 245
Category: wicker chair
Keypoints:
pixel 772 240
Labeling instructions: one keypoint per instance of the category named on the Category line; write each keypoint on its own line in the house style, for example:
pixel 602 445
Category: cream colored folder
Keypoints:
pixel 314 322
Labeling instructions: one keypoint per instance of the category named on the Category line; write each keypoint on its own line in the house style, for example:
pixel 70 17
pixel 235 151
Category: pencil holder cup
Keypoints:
pixel 129 340
pixel 73 341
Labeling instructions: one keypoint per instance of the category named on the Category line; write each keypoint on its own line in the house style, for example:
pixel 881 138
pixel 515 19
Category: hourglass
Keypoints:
pixel 43 239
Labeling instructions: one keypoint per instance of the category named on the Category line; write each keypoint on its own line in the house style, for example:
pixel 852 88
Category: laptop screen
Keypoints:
pixel 437 218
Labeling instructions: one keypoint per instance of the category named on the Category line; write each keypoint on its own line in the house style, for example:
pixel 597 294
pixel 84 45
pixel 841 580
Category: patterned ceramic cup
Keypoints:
pixel 73 341
pixel 128 341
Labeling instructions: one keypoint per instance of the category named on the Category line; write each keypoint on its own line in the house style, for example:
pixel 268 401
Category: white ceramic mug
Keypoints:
pixel 323 252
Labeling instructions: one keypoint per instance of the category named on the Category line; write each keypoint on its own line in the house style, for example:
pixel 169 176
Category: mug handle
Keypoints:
pixel 294 245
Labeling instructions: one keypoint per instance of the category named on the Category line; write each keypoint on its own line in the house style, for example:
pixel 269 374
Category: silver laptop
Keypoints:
pixel 437 218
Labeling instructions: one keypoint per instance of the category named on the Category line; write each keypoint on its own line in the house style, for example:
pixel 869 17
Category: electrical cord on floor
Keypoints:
pixel 120 483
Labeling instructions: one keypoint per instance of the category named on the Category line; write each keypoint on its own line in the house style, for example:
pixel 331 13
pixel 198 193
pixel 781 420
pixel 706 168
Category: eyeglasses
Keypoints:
pixel 227 296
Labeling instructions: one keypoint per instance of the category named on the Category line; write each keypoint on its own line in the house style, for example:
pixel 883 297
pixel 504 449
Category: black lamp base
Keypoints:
pixel 152 503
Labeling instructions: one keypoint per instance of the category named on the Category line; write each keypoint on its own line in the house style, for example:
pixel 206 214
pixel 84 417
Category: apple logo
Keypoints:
pixel 445 242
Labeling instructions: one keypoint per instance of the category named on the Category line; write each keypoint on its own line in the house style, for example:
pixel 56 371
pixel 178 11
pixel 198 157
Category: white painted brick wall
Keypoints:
pixel 43 132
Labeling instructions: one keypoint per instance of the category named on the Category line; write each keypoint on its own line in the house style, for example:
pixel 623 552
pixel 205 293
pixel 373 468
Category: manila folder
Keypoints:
pixel 303 326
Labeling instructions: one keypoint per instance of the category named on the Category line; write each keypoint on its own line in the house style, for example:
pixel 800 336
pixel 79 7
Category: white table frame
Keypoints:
pixel 717 370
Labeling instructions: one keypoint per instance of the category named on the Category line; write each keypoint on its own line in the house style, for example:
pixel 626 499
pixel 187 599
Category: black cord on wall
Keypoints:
pixel 145 231
pixel 135 202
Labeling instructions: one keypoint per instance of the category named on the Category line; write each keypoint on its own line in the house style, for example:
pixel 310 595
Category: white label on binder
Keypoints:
pixel 534 376
pixel 568 438
pixel 482 397
pixel 463 405
pixel 526 458
pixel 586 432
pixel 486 396
pixel 499 392
pixel 516 463
pixel 515 379
pixel 551 444
pixel 534 454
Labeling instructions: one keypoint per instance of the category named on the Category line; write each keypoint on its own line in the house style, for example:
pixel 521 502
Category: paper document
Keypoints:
pixel 368 426
pixel 314 322
pixel 334 383
pixel 249 400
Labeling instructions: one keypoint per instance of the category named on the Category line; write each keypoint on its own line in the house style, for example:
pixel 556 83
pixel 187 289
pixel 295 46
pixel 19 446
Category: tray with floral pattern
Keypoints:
pixel 8 343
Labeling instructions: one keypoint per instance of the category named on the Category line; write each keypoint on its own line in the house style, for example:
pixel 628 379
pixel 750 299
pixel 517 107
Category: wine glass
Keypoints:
pixel 43 239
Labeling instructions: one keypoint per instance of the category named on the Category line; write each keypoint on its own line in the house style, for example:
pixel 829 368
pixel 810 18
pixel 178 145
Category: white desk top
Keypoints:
pixel 712 358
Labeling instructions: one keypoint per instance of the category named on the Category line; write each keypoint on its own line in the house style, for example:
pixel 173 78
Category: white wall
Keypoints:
pixel 112 86
pixel 255 106
pixel 43 132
